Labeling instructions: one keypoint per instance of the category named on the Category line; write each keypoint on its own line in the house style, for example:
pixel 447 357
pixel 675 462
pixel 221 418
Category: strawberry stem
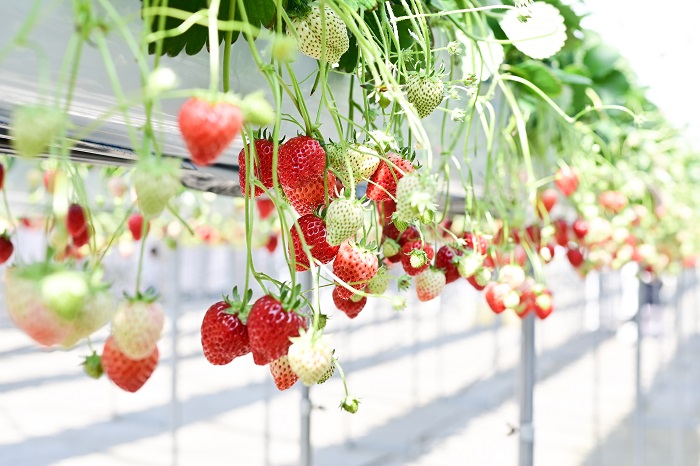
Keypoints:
pixel 213 17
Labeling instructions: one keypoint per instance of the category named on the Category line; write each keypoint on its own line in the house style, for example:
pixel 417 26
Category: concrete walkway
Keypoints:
pixel 437 384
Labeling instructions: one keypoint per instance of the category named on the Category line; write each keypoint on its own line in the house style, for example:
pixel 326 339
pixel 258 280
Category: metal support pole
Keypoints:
pixel 306 452
pixel 527 385
pixel 646 300
pixel 680 366
pixel 305 449
pixel 174 304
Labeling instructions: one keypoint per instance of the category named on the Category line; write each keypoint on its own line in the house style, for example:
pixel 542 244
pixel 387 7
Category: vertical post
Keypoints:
pixel 174 304
pixel 646 300
pixel 305 449
pixel 527 385
pixel 679 385
pixel 267 384
pixel 306 453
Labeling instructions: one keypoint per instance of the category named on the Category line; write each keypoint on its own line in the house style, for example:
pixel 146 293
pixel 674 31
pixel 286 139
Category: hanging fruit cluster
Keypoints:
pixel 419 142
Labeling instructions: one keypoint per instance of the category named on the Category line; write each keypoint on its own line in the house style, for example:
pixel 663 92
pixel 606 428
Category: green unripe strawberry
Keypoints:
pixel 65 293
pixel 469 264
pixel 311 36
pixel 380 282
pixel 425 93
pixel 93 366
pixel 415 199
pixel 33 128
pixel 390 248
pixel 363 161
pixel 156 181
pixel 343 218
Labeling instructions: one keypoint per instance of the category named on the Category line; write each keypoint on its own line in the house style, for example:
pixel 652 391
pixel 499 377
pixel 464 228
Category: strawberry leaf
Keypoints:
pixel 260 13
pixel 364 4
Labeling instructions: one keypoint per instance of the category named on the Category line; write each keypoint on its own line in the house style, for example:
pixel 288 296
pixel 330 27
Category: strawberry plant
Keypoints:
pixel 403 128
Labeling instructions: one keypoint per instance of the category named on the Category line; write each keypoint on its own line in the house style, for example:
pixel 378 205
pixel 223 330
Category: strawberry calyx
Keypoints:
pixel 92 365
pixel 297 9
pixel 399 303
pixel 239 306
pixel 364 246
pixel 149 296
pixel 404 282
pixel 291 298
pixel 350 404
pixel 418 258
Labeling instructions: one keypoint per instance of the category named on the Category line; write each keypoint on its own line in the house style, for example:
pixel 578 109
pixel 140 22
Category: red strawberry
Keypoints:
pixel 566 180
pixel 82 239
pixel 382 183
pixel 561 232
pixel 301 160
pixel 136 226
pixel 350 307
pixel 386 209
pixel 224 333
pixel 580 228
pixel 476 242
pixel 355 265
pixel 513 275
pixel 430 283
pixel 446 259
pixel 534 234
pixel 263 166
pixel 547 253
pixel 127 374
pixel 283 375
pixel 527 298
pixel 2 176
pixel 408 235
pixel 208 128
pixel 499 296
pixel 313 230
pixel 309 196
pixel 546 200
pixel 270 324
pixel 575 257
pixel 6 248
pixel 271 244
pixel 613 200
pixel 265 207
pixel 543 304
pixel 390 231
pixel 416 257
pixel 480 279
pixel 76 223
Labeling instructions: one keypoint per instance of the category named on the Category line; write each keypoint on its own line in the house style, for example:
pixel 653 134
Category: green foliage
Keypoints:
pixel 540 75
pixel 259 12
pixel 361 4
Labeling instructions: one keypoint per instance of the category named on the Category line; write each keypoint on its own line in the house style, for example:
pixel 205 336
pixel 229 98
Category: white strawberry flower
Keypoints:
pixel 541 36
pixel 481 59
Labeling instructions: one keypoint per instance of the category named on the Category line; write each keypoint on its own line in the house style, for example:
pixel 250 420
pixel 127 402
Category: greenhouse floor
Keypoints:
pixel 435 391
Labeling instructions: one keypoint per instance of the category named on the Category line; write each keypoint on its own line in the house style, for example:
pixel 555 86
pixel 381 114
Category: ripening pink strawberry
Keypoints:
pixel 430 283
